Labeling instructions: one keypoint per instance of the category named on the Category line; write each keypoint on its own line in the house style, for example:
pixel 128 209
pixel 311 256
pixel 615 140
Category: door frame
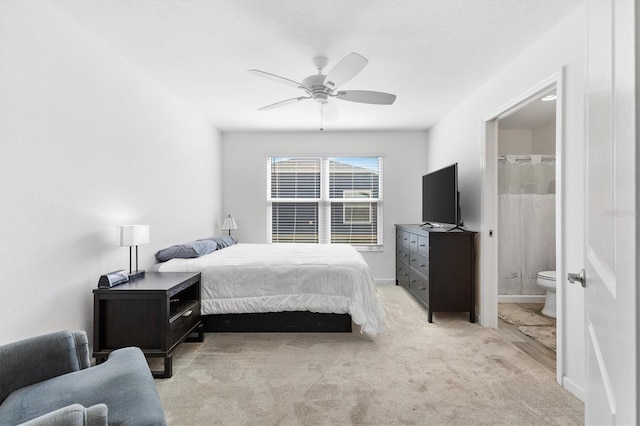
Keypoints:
pixel 489 205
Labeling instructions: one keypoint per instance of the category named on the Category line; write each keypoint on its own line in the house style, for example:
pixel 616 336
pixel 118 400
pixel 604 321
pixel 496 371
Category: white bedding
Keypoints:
pixel 325 278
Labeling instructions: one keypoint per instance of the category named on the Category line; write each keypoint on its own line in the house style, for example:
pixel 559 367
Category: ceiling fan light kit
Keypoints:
pixel 320 87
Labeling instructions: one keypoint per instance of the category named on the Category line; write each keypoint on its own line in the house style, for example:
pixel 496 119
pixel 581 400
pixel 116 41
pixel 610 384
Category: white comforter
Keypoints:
pixel 326 278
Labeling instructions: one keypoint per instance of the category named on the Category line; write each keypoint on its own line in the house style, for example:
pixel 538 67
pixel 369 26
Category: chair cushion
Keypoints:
pixel 123 383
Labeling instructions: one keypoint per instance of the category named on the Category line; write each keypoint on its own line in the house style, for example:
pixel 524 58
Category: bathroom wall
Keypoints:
pixel 515 142
pixel 540 140
pixel 543 139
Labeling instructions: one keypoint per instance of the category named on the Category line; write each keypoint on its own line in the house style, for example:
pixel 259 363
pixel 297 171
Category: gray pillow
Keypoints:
pixel 224 241
pixel 187 250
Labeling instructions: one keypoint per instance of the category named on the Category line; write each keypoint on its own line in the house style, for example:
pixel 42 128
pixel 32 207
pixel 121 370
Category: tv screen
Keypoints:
pixel 440 196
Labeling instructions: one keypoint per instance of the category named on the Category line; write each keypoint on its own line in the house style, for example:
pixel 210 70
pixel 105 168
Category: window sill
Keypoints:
pixel 369 248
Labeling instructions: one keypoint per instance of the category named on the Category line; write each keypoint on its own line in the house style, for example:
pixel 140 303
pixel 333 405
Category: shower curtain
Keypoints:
pixel 526 222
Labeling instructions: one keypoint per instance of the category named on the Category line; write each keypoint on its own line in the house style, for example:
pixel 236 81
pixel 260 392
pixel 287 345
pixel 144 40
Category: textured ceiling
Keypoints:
pixel 431 53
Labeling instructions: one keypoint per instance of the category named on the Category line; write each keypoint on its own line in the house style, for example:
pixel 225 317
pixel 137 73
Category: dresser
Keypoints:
pixel 438 267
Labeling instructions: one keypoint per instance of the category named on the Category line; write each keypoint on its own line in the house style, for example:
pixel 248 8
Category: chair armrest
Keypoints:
pixel 73 415
pixel 39 358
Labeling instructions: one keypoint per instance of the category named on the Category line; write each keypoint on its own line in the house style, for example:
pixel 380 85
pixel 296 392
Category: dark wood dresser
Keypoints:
pixel 438 267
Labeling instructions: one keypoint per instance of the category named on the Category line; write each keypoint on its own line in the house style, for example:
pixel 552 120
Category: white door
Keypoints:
pixel 610 246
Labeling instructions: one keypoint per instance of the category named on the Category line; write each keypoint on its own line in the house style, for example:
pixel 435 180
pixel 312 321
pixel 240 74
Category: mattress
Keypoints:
pixel 250 278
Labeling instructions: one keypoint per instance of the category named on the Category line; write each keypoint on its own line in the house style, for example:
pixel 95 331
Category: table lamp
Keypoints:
pixel 133 236
pixel 229 223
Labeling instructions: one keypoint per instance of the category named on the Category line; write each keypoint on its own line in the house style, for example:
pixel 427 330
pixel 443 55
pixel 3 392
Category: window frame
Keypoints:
pixel 325 201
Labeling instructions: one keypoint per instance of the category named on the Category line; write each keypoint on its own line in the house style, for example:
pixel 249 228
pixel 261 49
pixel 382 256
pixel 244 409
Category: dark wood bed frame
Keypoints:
pixel 279 322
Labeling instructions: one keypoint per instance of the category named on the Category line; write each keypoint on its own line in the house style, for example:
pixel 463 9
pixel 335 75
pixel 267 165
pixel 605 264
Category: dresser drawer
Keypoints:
pixel 413 242
pixel 419 263
pixel 402 273
pixel 404 239
pixel 419 285
pixel 184 322
pixel 423 245
pixel 402 254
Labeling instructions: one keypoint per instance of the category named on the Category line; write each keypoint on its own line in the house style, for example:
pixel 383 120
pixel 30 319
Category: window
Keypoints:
pixel 325 200
pixel 356 213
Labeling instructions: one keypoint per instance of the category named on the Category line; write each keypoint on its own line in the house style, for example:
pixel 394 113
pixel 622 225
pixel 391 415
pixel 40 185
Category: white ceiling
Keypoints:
pixel 430 53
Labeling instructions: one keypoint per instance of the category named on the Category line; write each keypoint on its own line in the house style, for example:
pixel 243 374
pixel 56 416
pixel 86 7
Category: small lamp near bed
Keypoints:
pixel 133 236
pixel 229 223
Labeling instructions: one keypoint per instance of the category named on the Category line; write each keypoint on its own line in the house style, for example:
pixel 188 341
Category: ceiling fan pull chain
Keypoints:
pixel 321 129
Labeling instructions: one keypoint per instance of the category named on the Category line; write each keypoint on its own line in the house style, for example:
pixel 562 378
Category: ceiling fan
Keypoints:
pixel 321 87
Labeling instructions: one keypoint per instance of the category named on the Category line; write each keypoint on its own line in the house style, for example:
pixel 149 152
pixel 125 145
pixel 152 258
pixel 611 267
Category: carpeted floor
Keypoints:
pixel 450 372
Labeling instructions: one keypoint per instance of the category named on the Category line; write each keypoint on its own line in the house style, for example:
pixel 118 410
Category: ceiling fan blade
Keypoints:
pixel 345 70
pixel 277 78
pixel 328 111
pixel 283 103
pixel 367 97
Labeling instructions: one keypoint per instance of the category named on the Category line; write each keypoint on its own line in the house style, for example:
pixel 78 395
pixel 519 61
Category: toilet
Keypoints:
pixel 547 280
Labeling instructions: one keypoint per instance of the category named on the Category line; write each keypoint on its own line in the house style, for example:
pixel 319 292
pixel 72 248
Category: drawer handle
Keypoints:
pixel 404 255
pixel 404 275
pixel 422 245
pixel 413 242
pixel 186 314
pixel 422 288
pixel 412 281
pixel 412 260
pixel 422 265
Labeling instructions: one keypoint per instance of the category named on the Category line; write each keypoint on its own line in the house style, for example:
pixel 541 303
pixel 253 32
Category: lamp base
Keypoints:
pixel 136 275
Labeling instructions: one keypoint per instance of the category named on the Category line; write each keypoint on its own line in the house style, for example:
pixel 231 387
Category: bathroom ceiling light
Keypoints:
pixel 550 97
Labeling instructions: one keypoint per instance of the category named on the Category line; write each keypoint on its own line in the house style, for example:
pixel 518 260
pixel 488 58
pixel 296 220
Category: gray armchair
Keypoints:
pixel 48 380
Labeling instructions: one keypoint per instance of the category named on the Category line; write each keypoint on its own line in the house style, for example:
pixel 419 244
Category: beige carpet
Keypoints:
pixel 450 372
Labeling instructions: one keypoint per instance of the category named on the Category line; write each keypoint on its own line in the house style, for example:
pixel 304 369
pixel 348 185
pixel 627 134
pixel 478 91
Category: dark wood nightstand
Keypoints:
pixel 155 313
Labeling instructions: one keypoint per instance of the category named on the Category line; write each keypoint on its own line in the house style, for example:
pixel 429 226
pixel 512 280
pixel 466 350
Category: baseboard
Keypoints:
pixel 521 298
pixel 379 282
pixel 572 387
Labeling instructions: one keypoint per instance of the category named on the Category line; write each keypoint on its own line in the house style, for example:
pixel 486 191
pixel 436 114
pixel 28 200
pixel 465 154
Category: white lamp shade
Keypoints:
pixel 229 223
pixel 134 235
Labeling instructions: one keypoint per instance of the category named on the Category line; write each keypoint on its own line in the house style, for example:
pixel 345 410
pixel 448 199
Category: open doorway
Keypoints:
pixel 489 241
pixel 526 235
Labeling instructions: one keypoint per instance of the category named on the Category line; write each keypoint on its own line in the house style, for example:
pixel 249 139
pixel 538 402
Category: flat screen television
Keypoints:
pixel 440 197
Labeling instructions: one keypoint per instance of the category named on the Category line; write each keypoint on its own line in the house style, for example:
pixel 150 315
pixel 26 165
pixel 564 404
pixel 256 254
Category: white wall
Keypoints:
pixel 543 140
pixel 458 137
pixel 244 178
pixel 515 141
pixel 87 143
pixel 538 140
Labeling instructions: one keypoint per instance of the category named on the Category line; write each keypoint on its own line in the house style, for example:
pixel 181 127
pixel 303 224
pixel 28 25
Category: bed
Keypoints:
pixel 292 287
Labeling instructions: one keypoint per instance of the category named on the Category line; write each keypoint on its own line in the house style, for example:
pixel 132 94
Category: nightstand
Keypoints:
pixel 155 313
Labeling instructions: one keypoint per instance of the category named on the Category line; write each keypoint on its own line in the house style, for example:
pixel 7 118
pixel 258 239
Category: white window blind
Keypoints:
pixel 325 200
